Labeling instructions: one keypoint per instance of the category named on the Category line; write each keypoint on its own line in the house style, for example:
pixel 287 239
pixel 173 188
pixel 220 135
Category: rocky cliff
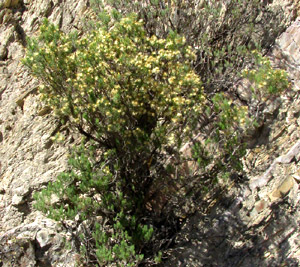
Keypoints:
pixel 256 223
pixel 28 157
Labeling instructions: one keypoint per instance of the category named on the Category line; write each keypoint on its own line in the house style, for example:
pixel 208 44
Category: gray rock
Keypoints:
pixel 17 200
pixel 43 238
pixel 28 160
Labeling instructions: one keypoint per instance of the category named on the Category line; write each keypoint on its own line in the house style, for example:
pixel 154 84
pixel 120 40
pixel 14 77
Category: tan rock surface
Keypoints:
pixel 28 157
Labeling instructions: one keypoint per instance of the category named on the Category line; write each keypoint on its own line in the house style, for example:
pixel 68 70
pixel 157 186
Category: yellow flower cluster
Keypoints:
pixel 266 80
pixel 120 77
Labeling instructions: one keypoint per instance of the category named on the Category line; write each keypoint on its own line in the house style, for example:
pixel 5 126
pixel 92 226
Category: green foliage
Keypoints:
pixel 222 147
pixel 230 122
pixel 266 80
pixel 122 92
pixel 89 190
pixel 229 32
pixel 133 96
pixel 131 86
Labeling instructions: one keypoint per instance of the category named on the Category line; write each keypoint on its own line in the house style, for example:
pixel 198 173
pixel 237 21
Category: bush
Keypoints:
pixel 266 81
pixel 120 92
pixel 131 87
pixel 133 97
pixel 112 231
pixel 220 32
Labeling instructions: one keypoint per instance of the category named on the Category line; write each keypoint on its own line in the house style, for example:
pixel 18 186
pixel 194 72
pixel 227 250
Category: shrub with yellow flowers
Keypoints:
pixel 118 91
pixel 136 99
pixel 132 96
pixel 222 41
pixel 266 81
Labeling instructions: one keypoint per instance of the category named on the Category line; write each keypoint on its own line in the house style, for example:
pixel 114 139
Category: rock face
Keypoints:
pixel 257 225
pixel 28 157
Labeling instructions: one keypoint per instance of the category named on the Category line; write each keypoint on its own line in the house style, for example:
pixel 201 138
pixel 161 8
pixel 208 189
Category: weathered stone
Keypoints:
pixel 15 51
pixel 282 189
pixel 244 90
pixel 286 186
pixel 6 38
pixel 43 233
pixel 43 238
pixel 258 217
pixel 296 177
pixel 261 205
pixel 44 111
pixel 28 259
pixel 275 195
pixel 9 3
pixel 17 200
pixel 28 160
pixel 21 99
pixel 7 17
pixel 272 106
pixel 285 41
